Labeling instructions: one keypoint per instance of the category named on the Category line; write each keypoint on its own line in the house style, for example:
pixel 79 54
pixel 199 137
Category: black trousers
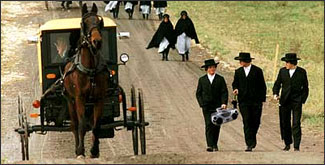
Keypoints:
pixel 285 123
pixel 251 114
pixel 211 131
pixel 116 10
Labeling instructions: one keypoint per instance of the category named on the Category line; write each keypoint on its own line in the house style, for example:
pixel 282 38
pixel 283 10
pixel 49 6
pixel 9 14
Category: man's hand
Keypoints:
pixel 235 92
pixel 223 106
pixel 61 46
pixel 276 97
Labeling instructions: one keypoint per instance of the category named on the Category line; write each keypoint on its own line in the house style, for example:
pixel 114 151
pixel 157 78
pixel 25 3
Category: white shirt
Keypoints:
pixel 292 71
pixel 247 69
pixel 211 77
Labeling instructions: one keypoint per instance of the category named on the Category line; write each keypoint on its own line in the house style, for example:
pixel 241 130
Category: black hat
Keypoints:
pixel 166 15
pixel 244 56
pixel 183 13
pixel 290 57
pixel 209 62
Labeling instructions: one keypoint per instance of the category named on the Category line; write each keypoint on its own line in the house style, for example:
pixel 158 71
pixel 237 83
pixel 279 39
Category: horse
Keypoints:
pixel 86 80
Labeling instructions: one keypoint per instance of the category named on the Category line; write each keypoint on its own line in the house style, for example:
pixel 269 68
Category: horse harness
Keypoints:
pixel 100 64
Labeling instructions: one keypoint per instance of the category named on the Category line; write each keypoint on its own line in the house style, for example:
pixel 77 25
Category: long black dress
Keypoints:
pixel 165 29
pixel 186 26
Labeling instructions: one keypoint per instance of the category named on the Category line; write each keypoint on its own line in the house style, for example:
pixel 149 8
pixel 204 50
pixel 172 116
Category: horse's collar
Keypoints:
pixel 91 72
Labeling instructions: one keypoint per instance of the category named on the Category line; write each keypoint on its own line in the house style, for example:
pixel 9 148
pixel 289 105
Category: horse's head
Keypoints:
pixel 91 26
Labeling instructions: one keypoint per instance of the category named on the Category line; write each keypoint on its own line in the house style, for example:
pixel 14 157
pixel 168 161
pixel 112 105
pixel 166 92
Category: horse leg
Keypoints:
pixel 98 109
pixel 74 124
pixel 80 106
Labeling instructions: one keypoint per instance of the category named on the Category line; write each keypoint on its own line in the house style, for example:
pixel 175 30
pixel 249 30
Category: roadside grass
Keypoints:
pixel 228 27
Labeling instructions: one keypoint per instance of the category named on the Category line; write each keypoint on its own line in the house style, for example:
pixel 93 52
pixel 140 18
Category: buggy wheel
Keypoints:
pixel 134 119
pixel 22 122
pixel 142 122
pixel 26 143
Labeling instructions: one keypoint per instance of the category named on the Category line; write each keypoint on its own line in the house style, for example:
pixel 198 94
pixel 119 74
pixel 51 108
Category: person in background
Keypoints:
pixel 68 3
pixel 164 37
pixel 113 7
pixel 145 7
pixel 160 8
pixel 211 94
pixel 62 46
pixel 294 83
pixel 129 7
pixel 249 85
pixel 185 32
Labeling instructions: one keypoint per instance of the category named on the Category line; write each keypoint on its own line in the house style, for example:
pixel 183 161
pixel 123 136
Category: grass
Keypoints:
pixel 228 27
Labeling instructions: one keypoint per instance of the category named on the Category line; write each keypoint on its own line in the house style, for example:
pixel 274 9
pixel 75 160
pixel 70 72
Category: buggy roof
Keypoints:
pixel 70 23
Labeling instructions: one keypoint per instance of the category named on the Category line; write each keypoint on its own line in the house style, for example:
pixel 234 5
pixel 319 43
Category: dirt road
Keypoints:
pixel 176 131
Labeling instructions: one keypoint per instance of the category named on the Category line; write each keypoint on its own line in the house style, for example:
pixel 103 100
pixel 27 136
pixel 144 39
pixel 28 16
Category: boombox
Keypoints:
pixel 224 115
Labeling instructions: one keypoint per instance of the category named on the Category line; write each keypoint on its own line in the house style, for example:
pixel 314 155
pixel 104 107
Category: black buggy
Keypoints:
pixel 53 110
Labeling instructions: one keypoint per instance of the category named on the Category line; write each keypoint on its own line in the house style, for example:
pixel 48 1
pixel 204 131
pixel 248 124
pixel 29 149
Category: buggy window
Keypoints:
pixel 59 46
pixel 64 44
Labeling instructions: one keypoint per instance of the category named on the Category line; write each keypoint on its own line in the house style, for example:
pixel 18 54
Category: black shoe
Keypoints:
pixel 249 149
pixel 186 57
pixel 296 149
pixel 286 148
pixel 215 148
pixel 210 149
pixel 183 59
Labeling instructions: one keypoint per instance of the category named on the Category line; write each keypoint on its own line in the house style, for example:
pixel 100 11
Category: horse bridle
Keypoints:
pixel 86 35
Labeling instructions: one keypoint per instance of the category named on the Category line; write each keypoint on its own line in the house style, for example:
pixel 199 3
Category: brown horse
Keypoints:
pixel 86 80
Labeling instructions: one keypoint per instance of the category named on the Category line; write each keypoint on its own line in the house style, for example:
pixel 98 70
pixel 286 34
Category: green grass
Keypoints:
pixel 228 27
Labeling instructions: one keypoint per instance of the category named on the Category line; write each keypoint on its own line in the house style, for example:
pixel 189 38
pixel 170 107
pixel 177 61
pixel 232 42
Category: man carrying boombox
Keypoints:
pixel 211 94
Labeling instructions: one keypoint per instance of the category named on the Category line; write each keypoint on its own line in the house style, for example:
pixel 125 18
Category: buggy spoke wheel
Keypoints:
pixel 142 122
pixel 134 118
pixel 26 135
pixel 22 122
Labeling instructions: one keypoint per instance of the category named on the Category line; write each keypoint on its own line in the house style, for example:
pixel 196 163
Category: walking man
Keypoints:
pixel 211 94
pixel 294 83
pixel 249 85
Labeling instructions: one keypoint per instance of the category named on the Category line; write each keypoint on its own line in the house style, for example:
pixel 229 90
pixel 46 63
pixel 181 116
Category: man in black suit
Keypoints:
pixel 249 85
pixel 294 83
pixel 211 94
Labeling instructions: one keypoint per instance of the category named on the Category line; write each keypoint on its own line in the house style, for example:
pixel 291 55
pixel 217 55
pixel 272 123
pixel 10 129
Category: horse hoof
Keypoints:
pixel 94 156
pixel 80 157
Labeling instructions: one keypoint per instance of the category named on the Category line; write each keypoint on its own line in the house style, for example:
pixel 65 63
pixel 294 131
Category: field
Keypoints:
pixel 226 28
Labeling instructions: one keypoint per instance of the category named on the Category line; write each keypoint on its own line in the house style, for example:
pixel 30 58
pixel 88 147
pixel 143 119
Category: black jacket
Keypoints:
pixel 157 4
pixel 145 3
pixel 212 95
pixel 294 88
pixel 251 89
pixel 187 26
pixel 164 30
